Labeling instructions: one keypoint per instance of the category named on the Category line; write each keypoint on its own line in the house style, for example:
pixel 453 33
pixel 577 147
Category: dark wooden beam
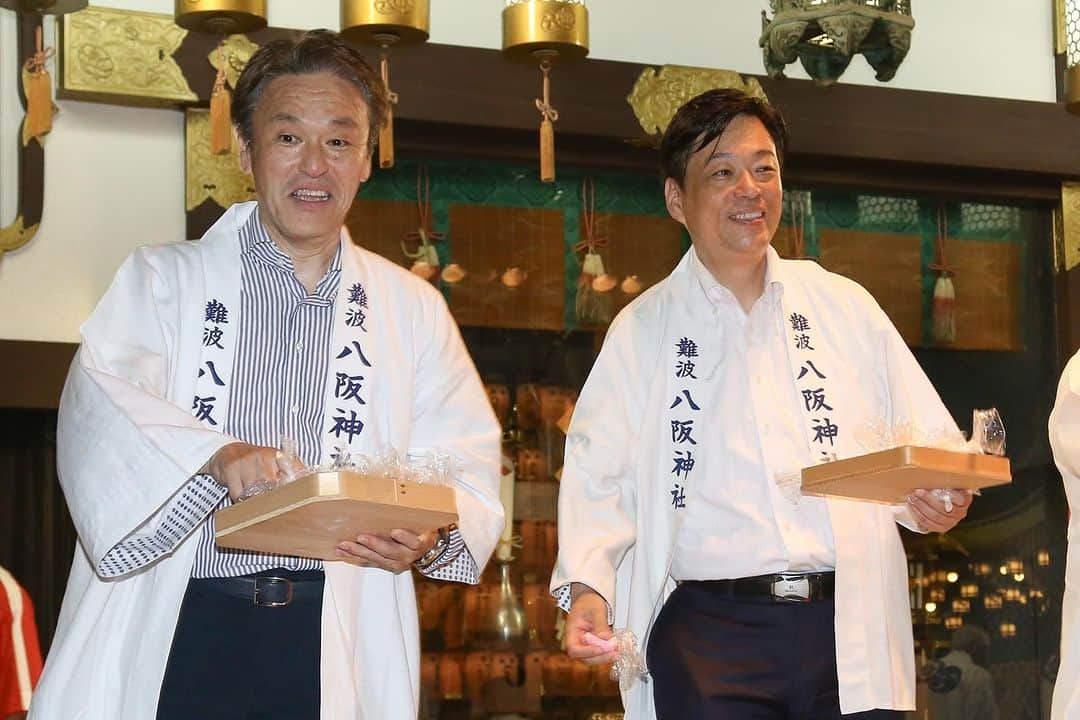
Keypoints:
pixel 34 372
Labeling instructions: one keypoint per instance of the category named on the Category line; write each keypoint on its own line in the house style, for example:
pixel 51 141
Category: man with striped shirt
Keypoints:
pixel 199 359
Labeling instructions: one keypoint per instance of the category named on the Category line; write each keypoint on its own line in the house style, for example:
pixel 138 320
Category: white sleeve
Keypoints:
pixel 123 450
pixel 451 412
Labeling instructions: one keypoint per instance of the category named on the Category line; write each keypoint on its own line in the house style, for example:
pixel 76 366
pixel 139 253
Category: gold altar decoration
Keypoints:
pixel 126 55
pixel 45 7
pixel 1070 226
pixel 546 30
pixel 385 24
pixel 209 176
pixel 14 236
pixel 657 94
pixel 1067 41
pixel 235 51
pixel 221 17
pixel 228 59
pixel 824 37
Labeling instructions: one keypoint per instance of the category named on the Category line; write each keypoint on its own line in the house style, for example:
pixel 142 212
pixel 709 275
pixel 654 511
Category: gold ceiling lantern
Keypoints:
pixel 543 31
pixel 45 7
pixel 221 17
pixel 385 23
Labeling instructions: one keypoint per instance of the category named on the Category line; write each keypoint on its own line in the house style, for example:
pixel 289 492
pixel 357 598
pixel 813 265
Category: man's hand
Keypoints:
pixel 931 513
pixel 588 614
pixel 239 465
pixel 395 553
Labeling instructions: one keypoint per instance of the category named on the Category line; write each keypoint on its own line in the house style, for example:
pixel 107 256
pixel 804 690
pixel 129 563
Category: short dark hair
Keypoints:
pixel 315 51
pixel 703 119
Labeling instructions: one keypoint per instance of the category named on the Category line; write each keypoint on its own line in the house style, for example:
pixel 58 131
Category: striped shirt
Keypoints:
pixel 278 389
pixel 279 377
pixel 20 655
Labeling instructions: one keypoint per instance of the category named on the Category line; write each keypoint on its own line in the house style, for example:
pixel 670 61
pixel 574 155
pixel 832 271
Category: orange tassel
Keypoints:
pixel 220 114
pixel 547 128
pixel 943 312
pixel 386 140
pixel 37 85
pixel 386 132
pixel 547 151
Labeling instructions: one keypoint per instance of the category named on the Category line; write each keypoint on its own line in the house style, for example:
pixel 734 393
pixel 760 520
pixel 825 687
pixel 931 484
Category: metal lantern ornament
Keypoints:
pixel 385 23
pixel 824 36
pixel 546 30
pixel 221 17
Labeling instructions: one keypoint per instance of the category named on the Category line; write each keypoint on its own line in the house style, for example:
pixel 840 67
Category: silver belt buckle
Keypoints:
pixel 260 582
pixel 791 588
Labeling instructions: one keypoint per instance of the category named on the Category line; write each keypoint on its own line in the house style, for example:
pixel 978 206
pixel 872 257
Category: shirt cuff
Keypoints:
pixel 197 499
pixel 456 564
pixel 564 599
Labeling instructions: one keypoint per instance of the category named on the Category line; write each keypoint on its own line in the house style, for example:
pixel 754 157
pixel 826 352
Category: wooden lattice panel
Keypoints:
pixel 888 265
pixel 643 245
pixel 988 294
pixel 488 241
pixel 381 225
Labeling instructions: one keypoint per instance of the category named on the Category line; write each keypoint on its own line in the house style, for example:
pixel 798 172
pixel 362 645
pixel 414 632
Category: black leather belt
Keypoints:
pixel 276 588
pixel 782 587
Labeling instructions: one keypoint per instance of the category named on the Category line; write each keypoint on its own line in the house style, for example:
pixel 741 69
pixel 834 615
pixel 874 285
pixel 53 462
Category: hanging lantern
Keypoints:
pixel 45 7
pixel 221 17
pixel 825 36
pixel 543 31
pixel 384 24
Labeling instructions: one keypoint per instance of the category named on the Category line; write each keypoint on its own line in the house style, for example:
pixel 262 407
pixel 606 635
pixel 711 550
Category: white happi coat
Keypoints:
pixel 128 443
pixel 618 525
pixel 1065 442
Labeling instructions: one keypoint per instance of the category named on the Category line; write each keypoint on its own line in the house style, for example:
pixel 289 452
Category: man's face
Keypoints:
pixel 308 153
pixel 730 200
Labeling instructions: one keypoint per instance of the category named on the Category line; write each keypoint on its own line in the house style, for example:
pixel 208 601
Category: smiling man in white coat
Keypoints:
pixel 199 358
pixel 676 519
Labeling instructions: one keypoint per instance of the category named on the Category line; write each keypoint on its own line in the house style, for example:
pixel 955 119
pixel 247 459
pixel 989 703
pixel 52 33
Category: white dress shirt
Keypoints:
pixel 740 523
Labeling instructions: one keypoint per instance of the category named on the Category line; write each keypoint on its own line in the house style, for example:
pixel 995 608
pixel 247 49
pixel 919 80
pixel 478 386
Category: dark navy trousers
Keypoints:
pixel 233 660
pixel 718 658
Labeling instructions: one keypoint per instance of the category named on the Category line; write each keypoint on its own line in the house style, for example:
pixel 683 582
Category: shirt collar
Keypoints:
pixel 717 293
pixel 256 242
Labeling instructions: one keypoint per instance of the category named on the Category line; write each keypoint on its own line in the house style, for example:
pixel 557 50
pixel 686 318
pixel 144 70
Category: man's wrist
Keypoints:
pixel 431 556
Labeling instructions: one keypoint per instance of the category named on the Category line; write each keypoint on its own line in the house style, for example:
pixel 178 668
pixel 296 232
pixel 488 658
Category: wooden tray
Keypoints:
pixel 889 476
pixel 310 516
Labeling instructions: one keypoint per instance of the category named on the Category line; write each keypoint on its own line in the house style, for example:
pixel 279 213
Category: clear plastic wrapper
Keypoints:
pixel 629 665
pixel 424 466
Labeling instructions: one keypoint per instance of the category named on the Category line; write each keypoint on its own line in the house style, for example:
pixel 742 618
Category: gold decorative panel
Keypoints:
pixel 988 294
pixel 210 176
pixel 529 243
pixel 1070 215
pixel 888 265
pixel 657 95
pixel 112 55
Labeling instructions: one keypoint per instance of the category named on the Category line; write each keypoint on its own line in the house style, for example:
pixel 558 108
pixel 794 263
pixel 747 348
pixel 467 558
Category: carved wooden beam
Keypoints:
pixel 30 158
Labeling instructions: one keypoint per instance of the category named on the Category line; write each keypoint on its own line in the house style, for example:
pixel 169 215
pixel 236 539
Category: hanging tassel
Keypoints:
pixel 592 302
pixel 220 111
pixel 386 132
pixel 547 128
pixel 943 309
pixel 37 86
